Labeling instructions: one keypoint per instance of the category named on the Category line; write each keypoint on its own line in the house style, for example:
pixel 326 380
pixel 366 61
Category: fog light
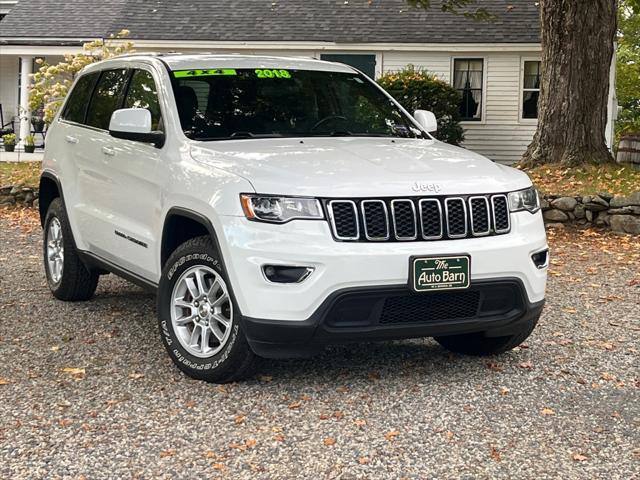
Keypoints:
pixel 286 274
pixel 541 259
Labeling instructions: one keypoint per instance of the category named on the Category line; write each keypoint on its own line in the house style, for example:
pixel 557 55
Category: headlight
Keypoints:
pixel 267 208
pixel 524 200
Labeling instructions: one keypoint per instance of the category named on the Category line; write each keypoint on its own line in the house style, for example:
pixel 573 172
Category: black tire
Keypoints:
pixel 477 344
pixel 235 360
pixel 77 282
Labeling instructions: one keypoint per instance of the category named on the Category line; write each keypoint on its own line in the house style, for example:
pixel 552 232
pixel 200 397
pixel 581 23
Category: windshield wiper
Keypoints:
pixel 240 136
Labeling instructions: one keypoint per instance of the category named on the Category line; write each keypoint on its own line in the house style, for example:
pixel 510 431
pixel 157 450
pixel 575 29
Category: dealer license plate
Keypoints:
pixel 440 273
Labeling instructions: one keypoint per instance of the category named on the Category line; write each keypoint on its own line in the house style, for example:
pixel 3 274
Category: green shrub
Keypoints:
pixel 418 89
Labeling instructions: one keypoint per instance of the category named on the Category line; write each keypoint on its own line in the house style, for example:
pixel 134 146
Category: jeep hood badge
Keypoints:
pixel 426 187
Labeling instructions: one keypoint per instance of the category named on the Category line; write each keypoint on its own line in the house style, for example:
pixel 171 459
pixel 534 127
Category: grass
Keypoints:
pixel 585 180
pixel 20 173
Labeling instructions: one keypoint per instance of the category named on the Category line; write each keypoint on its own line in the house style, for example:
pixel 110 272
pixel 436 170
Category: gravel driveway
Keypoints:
pixel 87 391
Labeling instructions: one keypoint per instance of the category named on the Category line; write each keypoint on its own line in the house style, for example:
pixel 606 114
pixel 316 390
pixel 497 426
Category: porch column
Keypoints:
pixel 25 112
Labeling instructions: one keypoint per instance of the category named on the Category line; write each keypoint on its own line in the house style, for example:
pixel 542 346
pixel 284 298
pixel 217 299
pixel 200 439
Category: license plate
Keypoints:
pixel 440 273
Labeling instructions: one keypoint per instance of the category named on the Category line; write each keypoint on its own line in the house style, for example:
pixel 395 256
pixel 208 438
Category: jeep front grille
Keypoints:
pixel 412 219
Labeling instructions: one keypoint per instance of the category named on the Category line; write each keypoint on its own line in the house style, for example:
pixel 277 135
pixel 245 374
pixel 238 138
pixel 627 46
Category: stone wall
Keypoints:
pixel 619 213
pixel 18 195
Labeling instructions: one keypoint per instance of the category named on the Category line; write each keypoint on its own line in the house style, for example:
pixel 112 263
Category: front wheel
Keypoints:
pixel 479 345
pixel 199 320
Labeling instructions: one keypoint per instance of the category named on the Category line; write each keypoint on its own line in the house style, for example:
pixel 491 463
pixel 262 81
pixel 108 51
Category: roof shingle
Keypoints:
pixel 340 21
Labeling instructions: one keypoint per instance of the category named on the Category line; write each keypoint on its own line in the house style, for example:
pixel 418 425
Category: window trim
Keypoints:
pixel 485 75
pixel 521 90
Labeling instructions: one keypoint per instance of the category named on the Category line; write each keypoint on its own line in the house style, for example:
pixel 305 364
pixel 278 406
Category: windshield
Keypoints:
pixel 257 103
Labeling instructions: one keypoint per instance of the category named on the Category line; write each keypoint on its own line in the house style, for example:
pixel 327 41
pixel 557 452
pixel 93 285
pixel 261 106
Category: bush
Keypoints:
pixel 418 89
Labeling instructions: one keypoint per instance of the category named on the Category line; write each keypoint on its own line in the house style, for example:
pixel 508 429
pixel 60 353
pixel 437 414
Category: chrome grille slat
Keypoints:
pixel 424 219
pixel 403 219
pixel 370 229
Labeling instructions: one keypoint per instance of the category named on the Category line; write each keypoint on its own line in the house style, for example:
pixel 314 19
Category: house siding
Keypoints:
pixel 501 135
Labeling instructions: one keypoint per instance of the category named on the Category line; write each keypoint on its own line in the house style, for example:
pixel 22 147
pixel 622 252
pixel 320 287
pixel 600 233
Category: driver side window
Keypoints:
pixel 143 93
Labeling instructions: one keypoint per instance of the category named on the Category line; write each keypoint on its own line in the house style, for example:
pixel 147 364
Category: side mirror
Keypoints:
pixel 134 124
pixel 427 120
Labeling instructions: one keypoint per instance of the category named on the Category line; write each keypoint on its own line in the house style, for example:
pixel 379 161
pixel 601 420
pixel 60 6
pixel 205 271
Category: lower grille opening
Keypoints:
pixel 428 308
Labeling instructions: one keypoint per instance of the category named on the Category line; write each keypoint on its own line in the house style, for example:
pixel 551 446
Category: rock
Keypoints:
pixel 544 204
pixel 621 201
pixel 555 225
pixel 7 200
pixel 589 215
pixel 586 199
pixel 566 204
pixel 606 195
pixel 602 219
pixel 36 203
pixel 579 211
pixel 14 190
pixel 631 210
pixel 600 201
pixel 625 224
pixel 571 216
pixel 5 190
pixel 596 207
pixel 555 215
pixel 28 198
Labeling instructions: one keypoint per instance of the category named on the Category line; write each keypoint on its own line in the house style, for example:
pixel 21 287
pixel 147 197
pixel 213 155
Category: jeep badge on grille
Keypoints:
pixel 426 187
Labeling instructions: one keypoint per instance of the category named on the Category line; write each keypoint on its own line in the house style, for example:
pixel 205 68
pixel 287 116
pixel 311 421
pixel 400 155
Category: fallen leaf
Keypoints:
pixel 329 441
pixel 526 365
pixel 295 405
pixel 250 443
pixel 218 466
pixel 77 373
pixel 360 423
pixel 548 411
pixel 4 381
pixel 495 454
pixel 136 376
pixel 390 436
pixel 169 452
pixel 504 391
pixel 279 437
pixel 363 460
pixel 578 457
pixel 239 419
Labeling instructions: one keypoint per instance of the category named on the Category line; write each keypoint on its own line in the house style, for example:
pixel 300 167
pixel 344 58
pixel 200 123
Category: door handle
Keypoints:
pixel 70 139
pixel 108 151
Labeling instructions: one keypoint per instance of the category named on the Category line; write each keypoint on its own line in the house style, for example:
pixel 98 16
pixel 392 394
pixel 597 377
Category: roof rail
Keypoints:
pixel 140 54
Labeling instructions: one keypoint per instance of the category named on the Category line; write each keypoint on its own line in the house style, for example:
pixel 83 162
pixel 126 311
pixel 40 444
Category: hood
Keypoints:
pixel 358 167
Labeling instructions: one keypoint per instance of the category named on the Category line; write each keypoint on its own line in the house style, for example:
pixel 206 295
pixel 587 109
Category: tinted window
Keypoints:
pixel 76 106
pixel 143 93
pixel 217 104
pixel 106 98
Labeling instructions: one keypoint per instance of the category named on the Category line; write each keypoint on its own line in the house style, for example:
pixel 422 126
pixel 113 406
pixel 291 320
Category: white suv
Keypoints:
pixel 277 205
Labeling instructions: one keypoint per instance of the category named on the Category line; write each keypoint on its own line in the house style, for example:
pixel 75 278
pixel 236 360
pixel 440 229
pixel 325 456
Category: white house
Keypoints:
pixel 497 61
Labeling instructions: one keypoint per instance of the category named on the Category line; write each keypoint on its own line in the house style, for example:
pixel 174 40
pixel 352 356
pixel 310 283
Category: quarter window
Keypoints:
pixel 531 89
pixel 106 98
pixel 467 79
pixel 143 93
pixel 76 107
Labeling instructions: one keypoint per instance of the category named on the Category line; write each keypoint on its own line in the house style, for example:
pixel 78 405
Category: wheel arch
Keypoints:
pixel 182 224
pixel 49 189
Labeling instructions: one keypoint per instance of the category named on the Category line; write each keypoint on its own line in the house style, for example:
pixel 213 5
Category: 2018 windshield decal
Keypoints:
pixel 273 73
pixel 204 73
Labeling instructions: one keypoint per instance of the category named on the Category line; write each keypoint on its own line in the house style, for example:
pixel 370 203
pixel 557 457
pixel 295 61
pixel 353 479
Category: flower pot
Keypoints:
pixel 29 148
pixel 9 148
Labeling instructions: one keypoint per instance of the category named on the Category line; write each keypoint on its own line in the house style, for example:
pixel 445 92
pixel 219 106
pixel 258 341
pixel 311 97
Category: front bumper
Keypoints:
pixel 340 266
pixel 495 307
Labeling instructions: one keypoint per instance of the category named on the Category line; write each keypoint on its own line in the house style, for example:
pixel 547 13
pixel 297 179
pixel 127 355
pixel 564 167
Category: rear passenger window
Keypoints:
pixel 76 106
pixel 143 93
pixel 106 98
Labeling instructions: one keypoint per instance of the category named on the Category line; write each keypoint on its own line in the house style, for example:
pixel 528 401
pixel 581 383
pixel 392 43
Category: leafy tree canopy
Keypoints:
pixel 628 66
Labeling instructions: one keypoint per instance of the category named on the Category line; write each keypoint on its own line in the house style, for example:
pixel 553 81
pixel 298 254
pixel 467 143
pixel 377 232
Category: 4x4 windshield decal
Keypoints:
pixel 204 73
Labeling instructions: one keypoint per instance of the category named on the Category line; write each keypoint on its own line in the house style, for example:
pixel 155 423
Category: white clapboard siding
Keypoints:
pixel 501 135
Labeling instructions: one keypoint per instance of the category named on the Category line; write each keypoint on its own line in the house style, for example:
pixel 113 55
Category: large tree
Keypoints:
pixel 577 48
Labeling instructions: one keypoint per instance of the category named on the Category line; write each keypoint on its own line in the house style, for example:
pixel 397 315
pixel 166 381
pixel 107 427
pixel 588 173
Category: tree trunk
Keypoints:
pixel 577 48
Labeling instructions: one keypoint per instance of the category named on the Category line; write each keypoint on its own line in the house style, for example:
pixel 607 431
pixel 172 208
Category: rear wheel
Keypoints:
pixel 479 345
pixel 68 278
pixel 199 321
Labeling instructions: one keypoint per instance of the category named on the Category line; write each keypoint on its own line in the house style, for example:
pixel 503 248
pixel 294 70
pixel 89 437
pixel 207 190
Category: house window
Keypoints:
pixel 530 88
pixel 467 79
pixel 365 63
